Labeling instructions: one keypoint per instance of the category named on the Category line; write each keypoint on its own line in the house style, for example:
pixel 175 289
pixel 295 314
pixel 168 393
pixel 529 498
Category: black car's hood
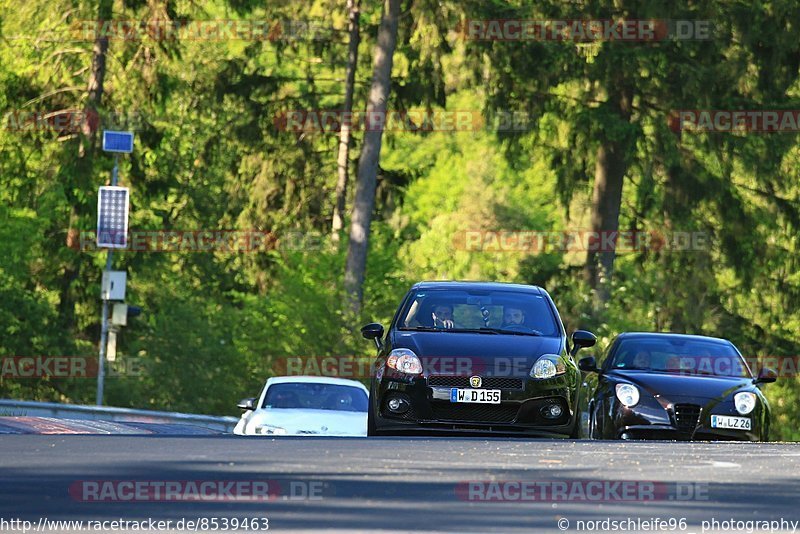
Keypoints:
pixel 441 351
pixel 676 386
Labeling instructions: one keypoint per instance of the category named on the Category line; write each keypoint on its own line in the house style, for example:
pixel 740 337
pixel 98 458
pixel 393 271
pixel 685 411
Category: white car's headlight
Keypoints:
pixel 627 394
pixel 745 402
pixel 405 361
pixel 269 430
pixel 548 366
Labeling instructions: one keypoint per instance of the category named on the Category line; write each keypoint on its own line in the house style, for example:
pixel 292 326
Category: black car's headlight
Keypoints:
pixel 548 366
pixel 405 361
pixel 745 402
pixel 628 394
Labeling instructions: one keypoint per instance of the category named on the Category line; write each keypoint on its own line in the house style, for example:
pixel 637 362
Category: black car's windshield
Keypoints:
pixel 679 355
pixel 315 396
pixel 489 312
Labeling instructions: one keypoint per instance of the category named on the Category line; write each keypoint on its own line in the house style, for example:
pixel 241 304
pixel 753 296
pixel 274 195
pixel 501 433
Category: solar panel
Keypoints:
pixel 112 217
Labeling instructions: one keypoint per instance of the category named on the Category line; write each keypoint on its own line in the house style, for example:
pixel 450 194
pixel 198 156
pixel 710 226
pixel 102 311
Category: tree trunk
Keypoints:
pixel 97 74
pixel 344 134
pixel 89 124
pixel 370 154
pixel 610 168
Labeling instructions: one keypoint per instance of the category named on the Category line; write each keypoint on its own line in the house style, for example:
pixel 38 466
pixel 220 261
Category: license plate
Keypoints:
pixel 479 396
pixel 736 423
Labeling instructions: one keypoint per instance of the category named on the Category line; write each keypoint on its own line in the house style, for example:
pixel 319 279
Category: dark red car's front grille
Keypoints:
pixel 686 417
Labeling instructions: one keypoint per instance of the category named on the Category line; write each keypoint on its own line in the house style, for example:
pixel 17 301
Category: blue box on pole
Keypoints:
pixel 118 141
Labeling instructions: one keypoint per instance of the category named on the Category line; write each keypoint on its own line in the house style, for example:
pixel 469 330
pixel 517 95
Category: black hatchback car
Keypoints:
pixel 475 357
pixel 676 387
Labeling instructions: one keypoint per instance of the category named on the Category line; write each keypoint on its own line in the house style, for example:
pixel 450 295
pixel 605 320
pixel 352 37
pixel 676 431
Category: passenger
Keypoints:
pixel 339 401
pixel 641 360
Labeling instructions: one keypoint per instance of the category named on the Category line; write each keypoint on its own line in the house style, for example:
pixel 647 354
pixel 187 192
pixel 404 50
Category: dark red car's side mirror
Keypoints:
pixel 766 375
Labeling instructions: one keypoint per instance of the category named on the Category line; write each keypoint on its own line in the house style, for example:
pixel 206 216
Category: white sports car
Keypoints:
pixel 306 406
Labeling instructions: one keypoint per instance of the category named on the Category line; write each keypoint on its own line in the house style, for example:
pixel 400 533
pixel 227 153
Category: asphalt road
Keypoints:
pixel 396 484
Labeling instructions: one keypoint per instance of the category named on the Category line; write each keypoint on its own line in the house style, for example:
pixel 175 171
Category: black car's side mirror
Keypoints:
pixel 581 339
pixel 588 364
pixel 766 375
pixel 373 331
pixel 247 404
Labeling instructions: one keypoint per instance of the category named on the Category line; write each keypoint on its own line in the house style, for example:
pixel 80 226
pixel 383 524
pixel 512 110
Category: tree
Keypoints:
pixel 97 76
pixel 611 163
pixel 344 134
pixel 364 202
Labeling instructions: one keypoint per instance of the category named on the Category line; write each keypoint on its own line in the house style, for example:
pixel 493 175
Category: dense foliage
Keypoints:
pixel 210 155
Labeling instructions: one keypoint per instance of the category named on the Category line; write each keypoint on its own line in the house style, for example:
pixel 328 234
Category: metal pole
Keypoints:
pixel 104 328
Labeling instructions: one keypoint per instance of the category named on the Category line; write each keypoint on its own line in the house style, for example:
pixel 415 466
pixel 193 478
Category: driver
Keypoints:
pixel 513 316
pixel 442 316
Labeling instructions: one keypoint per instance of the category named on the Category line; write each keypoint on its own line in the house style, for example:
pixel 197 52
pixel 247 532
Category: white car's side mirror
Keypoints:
pixel 247 404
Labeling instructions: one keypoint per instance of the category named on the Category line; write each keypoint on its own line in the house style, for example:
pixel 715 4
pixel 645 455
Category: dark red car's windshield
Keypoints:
pixel 679 355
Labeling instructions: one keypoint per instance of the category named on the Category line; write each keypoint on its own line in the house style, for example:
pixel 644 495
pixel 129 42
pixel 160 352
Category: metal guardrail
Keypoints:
pixel 109 413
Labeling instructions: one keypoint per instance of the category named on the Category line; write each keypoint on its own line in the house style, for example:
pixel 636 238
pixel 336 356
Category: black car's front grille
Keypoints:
pixel 489 382
pixel 483 413
pixel 686 416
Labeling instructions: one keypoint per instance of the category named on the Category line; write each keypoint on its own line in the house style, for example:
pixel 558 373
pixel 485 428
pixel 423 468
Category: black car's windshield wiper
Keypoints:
pixel 530 332
pixel 481 330
pixel 455 330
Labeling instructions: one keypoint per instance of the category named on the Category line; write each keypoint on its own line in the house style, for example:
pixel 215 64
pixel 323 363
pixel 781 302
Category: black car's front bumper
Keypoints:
pixel 522 408
pixel 684 421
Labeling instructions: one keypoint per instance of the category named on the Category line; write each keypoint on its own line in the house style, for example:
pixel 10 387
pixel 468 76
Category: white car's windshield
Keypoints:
pixel 315 396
